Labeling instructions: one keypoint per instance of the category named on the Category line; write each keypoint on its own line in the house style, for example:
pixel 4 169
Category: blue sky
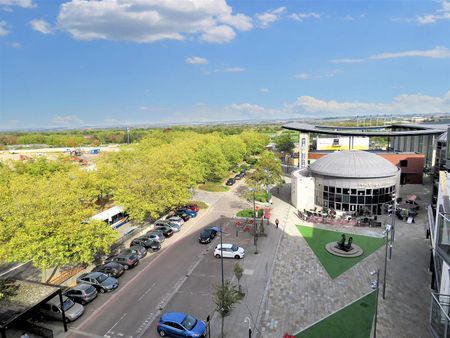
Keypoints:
pixel 105 63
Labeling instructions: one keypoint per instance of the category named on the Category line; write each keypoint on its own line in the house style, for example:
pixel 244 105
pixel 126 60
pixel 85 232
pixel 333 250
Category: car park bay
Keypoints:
pixel 132 309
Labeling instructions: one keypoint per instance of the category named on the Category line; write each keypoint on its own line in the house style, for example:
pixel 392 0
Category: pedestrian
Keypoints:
pixel 24 335
pixel 277 222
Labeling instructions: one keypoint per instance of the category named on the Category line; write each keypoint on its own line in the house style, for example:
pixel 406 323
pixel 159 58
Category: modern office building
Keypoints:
pixel 348 181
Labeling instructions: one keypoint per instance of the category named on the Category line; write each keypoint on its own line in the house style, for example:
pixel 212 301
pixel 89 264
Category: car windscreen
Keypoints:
pixel 235 248
pixel 67 304
pixel 206 233
pixel 189 322
pixel 101 278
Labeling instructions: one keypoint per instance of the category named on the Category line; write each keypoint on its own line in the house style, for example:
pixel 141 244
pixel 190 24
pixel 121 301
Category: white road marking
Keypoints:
pixel 112 327
pixel 145 293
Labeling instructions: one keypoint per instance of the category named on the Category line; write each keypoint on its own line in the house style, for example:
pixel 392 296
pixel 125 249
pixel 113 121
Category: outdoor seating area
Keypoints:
pixel 330 216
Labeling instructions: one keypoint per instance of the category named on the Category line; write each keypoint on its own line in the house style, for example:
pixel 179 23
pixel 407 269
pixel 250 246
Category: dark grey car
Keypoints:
pixel 146 243
pixel 128 260
pixel 111 269
pixel 82 293
pixel 138 250
pixel 103 283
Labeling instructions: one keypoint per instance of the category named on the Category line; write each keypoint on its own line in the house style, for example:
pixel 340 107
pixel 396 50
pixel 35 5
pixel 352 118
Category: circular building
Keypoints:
pixel 348 181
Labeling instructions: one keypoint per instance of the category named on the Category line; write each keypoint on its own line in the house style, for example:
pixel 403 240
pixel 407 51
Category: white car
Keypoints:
pixel 177 220
pixel 229 251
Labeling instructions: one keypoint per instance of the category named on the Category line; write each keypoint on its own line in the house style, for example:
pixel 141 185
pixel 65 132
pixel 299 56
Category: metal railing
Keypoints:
pixel 439 315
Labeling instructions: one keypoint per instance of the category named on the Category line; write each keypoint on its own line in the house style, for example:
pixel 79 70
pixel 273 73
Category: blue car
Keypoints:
pixel 178 324
pixel 187 211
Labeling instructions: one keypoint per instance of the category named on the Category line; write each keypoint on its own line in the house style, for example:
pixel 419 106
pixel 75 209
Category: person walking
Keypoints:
pixel 277 222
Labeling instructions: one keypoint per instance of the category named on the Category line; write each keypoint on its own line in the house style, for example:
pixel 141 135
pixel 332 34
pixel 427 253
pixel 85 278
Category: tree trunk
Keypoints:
pixel 221 329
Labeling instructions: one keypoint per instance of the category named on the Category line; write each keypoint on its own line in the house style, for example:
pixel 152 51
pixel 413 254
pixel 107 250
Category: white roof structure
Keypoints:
pixel 353 164
pixel 108 214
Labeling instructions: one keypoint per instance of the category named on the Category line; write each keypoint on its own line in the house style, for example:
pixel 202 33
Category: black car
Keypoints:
pixel 230 181
pixel 146 243
pixel 237 177
pixel 82 293
pixel 103 283
pixel 166 230
pixel 111 269
pixel 138 250
pixel 207 235
pixel 128 260
pixel 181 213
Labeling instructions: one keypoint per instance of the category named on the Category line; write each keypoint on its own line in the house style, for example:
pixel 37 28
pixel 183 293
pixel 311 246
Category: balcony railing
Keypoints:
pixel 439 315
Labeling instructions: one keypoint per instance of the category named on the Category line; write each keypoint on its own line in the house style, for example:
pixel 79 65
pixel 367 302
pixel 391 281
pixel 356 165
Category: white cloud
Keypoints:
pixel 269 17
pixel 4 29
pixel 230 70
pixel 302 16
pixel 438 52
pixel 20 3
pixel 402 104
pixel 264 90
pixel 348 18
pixel 66 120
pixel 435 53
pixel 146 21
pixel 41 26
pixel 307 76
pixel 15 45
pixel 443 13
pixel 346 60
pixel 248 108
pixel 196 60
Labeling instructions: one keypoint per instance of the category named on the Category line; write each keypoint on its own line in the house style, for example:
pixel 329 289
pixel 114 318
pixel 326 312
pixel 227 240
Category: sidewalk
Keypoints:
pixel 257 272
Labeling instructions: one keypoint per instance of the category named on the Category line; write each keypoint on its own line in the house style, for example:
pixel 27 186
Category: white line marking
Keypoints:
pixel 145 293
pixel 112 327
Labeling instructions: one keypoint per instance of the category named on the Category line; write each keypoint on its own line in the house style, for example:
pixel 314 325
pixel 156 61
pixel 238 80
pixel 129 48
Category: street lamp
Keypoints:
pixel 247 319
pixel 255 239
pixel 386 233
pixel 376 286
pixel 221 251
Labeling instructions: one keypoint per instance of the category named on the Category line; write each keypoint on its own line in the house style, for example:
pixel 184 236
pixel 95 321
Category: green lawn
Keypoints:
pixel 214 187
pixel 334 265
pixel 353 321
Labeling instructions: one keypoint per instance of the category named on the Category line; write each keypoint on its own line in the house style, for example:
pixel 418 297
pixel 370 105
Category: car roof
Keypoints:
pixel 176 317
pixel 81 286
pixel 55 300
pixel 225 245
pixel 92 274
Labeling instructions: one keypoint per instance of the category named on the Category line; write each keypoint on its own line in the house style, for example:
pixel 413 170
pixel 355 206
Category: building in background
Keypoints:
pixel 341 143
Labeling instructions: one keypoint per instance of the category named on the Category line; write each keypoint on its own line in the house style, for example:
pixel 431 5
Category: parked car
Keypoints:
pixel 102 282
pixel 207 235
pixel 146 243
pixel 82 293
pixel 128 260
pixel 167 231
pixel 230 181
pixel 156 236
pixel 111 269
pixel 53 309
pixel 178 324
pixel 189 212
pixel 172 225
pixel 193 207
pixel 138 250
pixel 229 251
pixel 181 213
pixel 177 220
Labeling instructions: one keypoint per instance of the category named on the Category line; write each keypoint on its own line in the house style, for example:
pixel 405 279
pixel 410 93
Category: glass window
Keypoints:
pixel 331 189
pixel 375 199
pixel 325 196
pixel 361 192
pixel 360 199
pixel 352 207
pixel 346 191
pixel 353 199
pixel 325 188
pixel 346 198
pixel 331 205
pixel 368 200
pixel 368 191
pixel 339 190
pixel 345 207
pixel 375 192
pixel 338 206
pixel 338 198
pixel 353 191
pixel 331 197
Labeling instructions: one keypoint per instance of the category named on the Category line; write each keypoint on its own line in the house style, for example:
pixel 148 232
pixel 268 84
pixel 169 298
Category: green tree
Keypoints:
pixel 284 143
pixel 256 142
pixel 225 298
pixel 267 172
pixel 238 272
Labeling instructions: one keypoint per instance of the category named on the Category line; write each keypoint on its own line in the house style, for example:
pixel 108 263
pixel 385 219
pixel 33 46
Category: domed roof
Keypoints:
pixel 353 163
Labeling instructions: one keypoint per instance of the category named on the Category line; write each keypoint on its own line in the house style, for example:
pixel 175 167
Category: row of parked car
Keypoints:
pixel 237 177
pixel 104 278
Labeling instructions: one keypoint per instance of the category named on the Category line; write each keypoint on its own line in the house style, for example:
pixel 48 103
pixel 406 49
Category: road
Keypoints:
pixel 180 277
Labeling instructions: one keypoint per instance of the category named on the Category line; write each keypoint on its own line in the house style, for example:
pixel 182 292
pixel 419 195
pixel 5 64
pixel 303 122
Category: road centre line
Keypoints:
pixel 145 293
pixel 112 327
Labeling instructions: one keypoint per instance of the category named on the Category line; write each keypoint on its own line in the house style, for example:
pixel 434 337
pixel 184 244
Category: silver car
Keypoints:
pixel 82 293
pixel 72 310
pixel 172 225
pixel 177 220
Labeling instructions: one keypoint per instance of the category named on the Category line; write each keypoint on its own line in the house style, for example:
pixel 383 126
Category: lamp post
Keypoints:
pixel 255 239
pixel 376 286
pixel 221 253
pixel 247 319
pixel 386 233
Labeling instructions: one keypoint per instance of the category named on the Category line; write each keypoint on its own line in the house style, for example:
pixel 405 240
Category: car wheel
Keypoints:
pixel 83 302
pixel 217 256
pixel 162 333
pixel 102 290
pixel 67 320
pixel 237 257
pixel 126 267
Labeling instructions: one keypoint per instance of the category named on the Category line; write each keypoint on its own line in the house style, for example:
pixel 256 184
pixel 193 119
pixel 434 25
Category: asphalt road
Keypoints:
pixel 180 277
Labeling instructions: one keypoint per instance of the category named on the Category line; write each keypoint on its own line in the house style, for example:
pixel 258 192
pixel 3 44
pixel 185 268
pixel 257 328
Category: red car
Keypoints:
pixel 193 207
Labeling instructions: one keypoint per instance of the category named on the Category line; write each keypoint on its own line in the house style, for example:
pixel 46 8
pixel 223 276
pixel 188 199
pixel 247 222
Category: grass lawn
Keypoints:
pixel 334 265
pixel 353 321
pixel 214 187
pixel 201 204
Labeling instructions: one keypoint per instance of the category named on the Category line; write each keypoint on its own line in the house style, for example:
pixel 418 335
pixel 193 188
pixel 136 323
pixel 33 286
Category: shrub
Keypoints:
pixel 249 213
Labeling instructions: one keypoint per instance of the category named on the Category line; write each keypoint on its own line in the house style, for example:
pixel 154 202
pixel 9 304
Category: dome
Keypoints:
pixel 353 164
